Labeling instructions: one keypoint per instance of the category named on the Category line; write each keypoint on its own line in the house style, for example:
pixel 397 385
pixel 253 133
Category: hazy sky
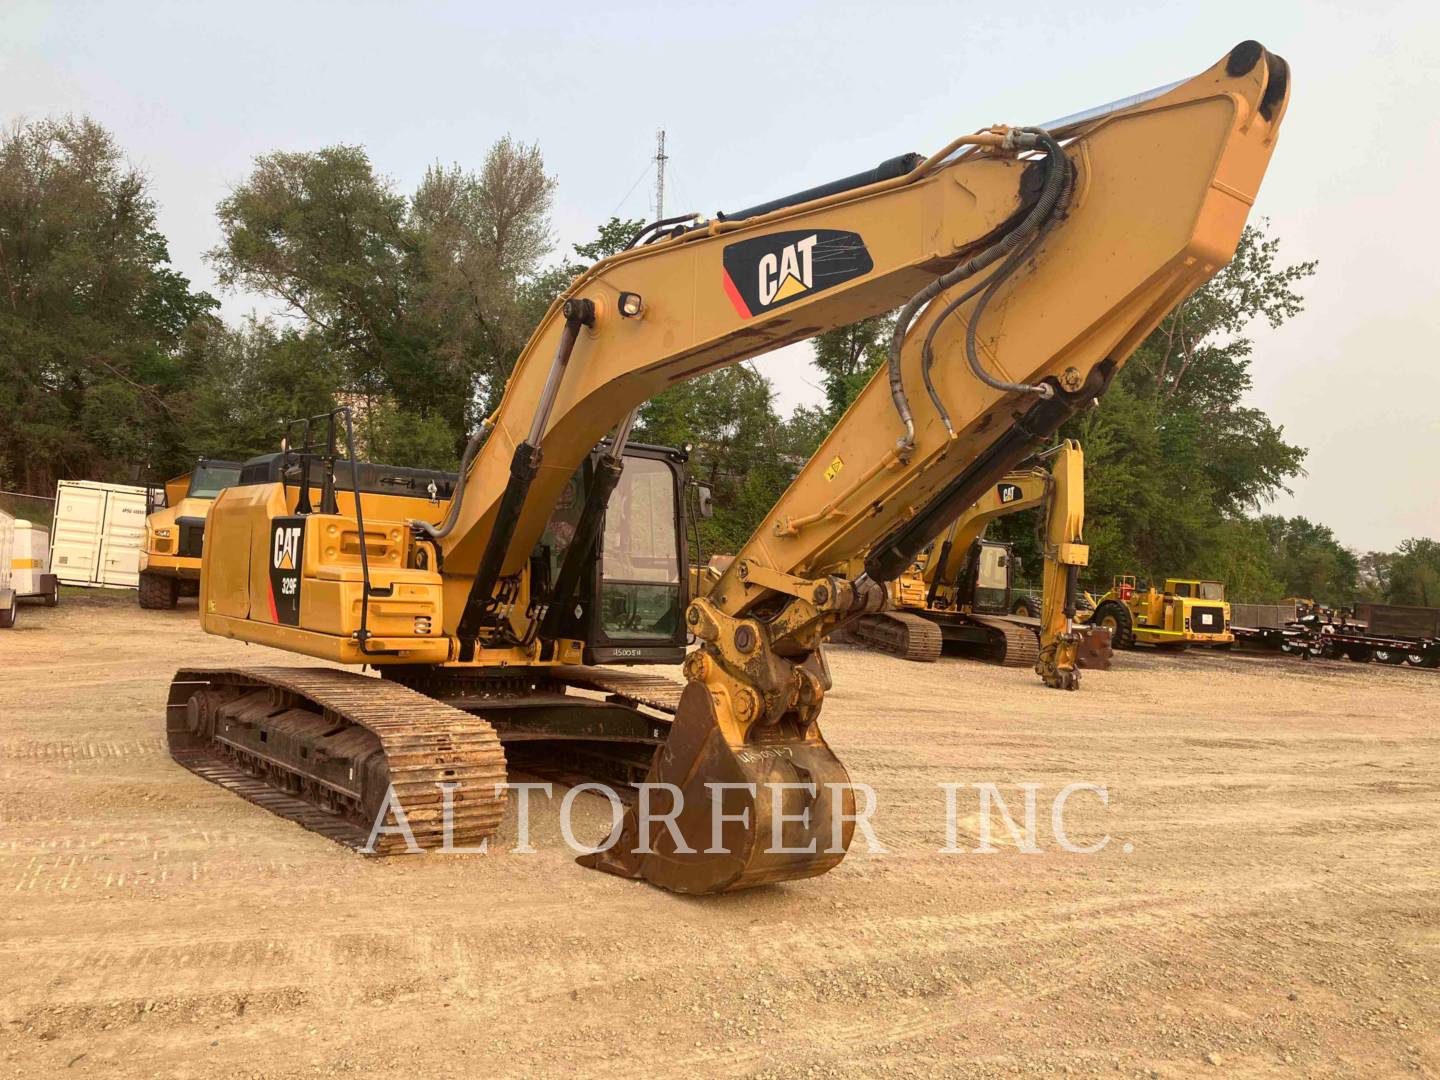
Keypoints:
pixel 760 99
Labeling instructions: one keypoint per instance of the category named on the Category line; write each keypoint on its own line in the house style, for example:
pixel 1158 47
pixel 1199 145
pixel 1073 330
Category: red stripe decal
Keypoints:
pixel 734 294
pixel 270 593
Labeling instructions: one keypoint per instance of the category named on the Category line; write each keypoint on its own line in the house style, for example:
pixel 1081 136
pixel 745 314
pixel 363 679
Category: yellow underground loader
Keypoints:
pixel 1184 612
pixel 1026 264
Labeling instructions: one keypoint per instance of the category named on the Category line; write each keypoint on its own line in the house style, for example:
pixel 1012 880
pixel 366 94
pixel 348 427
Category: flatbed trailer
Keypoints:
pixel 1357 643
pixel 1291 640
pixel 1271 628
pixel 1384 633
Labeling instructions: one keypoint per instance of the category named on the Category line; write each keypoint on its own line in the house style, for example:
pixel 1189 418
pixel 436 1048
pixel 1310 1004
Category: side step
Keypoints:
pixel 654 691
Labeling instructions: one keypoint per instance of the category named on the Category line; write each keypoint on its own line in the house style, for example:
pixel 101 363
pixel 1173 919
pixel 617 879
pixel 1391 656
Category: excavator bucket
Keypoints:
pixel 718 815
pixel 1094 650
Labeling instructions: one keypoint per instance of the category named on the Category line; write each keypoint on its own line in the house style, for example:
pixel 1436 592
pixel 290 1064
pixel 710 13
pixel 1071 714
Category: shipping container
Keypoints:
pixel 98 535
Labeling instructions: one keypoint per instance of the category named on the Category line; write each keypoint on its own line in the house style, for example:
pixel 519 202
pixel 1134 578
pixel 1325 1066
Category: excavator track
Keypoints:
pixel 323 748
pixel 899 633
pixel 1014 643
pixel 556 735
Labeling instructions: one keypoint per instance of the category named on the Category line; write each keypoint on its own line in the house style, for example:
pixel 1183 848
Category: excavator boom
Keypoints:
pixel 1153 206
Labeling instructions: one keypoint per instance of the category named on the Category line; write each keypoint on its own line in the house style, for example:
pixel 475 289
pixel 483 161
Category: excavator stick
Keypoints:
pixel 1065 647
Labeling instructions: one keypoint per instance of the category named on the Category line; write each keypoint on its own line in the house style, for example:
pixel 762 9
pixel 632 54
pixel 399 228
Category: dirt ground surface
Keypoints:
pixel 1268 902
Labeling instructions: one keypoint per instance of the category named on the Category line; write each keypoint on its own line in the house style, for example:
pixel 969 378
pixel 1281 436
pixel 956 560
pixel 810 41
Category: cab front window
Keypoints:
pixel 207 481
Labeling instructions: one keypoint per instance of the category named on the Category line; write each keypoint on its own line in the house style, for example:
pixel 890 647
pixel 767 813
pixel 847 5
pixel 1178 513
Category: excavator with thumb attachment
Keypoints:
pixel 1026 263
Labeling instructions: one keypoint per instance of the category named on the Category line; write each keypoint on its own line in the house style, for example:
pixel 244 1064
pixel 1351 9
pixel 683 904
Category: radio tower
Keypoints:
pixel 660 160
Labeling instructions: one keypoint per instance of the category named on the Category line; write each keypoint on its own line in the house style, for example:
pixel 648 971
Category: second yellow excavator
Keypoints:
pixel 959 591
pixel 1026 262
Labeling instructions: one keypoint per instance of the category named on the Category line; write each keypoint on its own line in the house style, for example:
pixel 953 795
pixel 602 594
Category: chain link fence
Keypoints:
pixel 36 509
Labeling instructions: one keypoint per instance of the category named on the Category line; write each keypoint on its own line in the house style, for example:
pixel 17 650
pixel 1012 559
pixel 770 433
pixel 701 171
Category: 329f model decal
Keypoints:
pixel 767 272
pixel 287 545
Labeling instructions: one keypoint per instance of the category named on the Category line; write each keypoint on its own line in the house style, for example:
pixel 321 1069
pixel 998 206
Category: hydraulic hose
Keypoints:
pixel 990 284
pixel 1056 182
pixel 678 219
pixel 1060 198
pixel 453 514
pixel 889 555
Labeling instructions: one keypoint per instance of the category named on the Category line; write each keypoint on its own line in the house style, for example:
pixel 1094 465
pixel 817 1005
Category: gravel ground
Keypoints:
pixel 1266 904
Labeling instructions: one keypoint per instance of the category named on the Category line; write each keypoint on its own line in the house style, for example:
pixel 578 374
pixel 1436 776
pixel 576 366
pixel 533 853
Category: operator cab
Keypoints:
pixel 1196 590
pixel 207 479
pixel 984 584
pixel 628 607
pixel 992 577
pixel 210 477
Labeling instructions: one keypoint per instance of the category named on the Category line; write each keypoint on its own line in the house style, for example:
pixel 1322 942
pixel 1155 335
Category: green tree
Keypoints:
pixel 615 235
pixel 421 298
pixel 1172 454
pixel 93 320
pixel 539 290
pixel 847 358
pixel 245 381
pixel 1308 561
pixel 737 442
pixel 1374 580
pixel 1414 574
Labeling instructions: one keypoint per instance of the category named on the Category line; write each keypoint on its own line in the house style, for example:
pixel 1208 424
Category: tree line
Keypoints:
pixel 413 306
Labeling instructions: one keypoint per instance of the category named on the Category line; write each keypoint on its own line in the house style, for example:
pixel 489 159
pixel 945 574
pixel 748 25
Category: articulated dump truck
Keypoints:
pixel 1026 262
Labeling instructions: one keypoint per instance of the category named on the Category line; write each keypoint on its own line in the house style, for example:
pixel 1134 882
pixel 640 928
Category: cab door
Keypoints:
pixel 641 587
pixel 992 578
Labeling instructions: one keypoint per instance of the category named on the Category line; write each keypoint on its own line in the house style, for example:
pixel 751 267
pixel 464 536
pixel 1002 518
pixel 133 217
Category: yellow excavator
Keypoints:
pixel 959 591
pixel 1026 263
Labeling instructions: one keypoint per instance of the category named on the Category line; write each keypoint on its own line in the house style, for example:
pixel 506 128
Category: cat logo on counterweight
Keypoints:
pixel 287 549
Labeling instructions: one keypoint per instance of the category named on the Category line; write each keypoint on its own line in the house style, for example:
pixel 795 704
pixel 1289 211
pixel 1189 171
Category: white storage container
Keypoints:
pixel 99 531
